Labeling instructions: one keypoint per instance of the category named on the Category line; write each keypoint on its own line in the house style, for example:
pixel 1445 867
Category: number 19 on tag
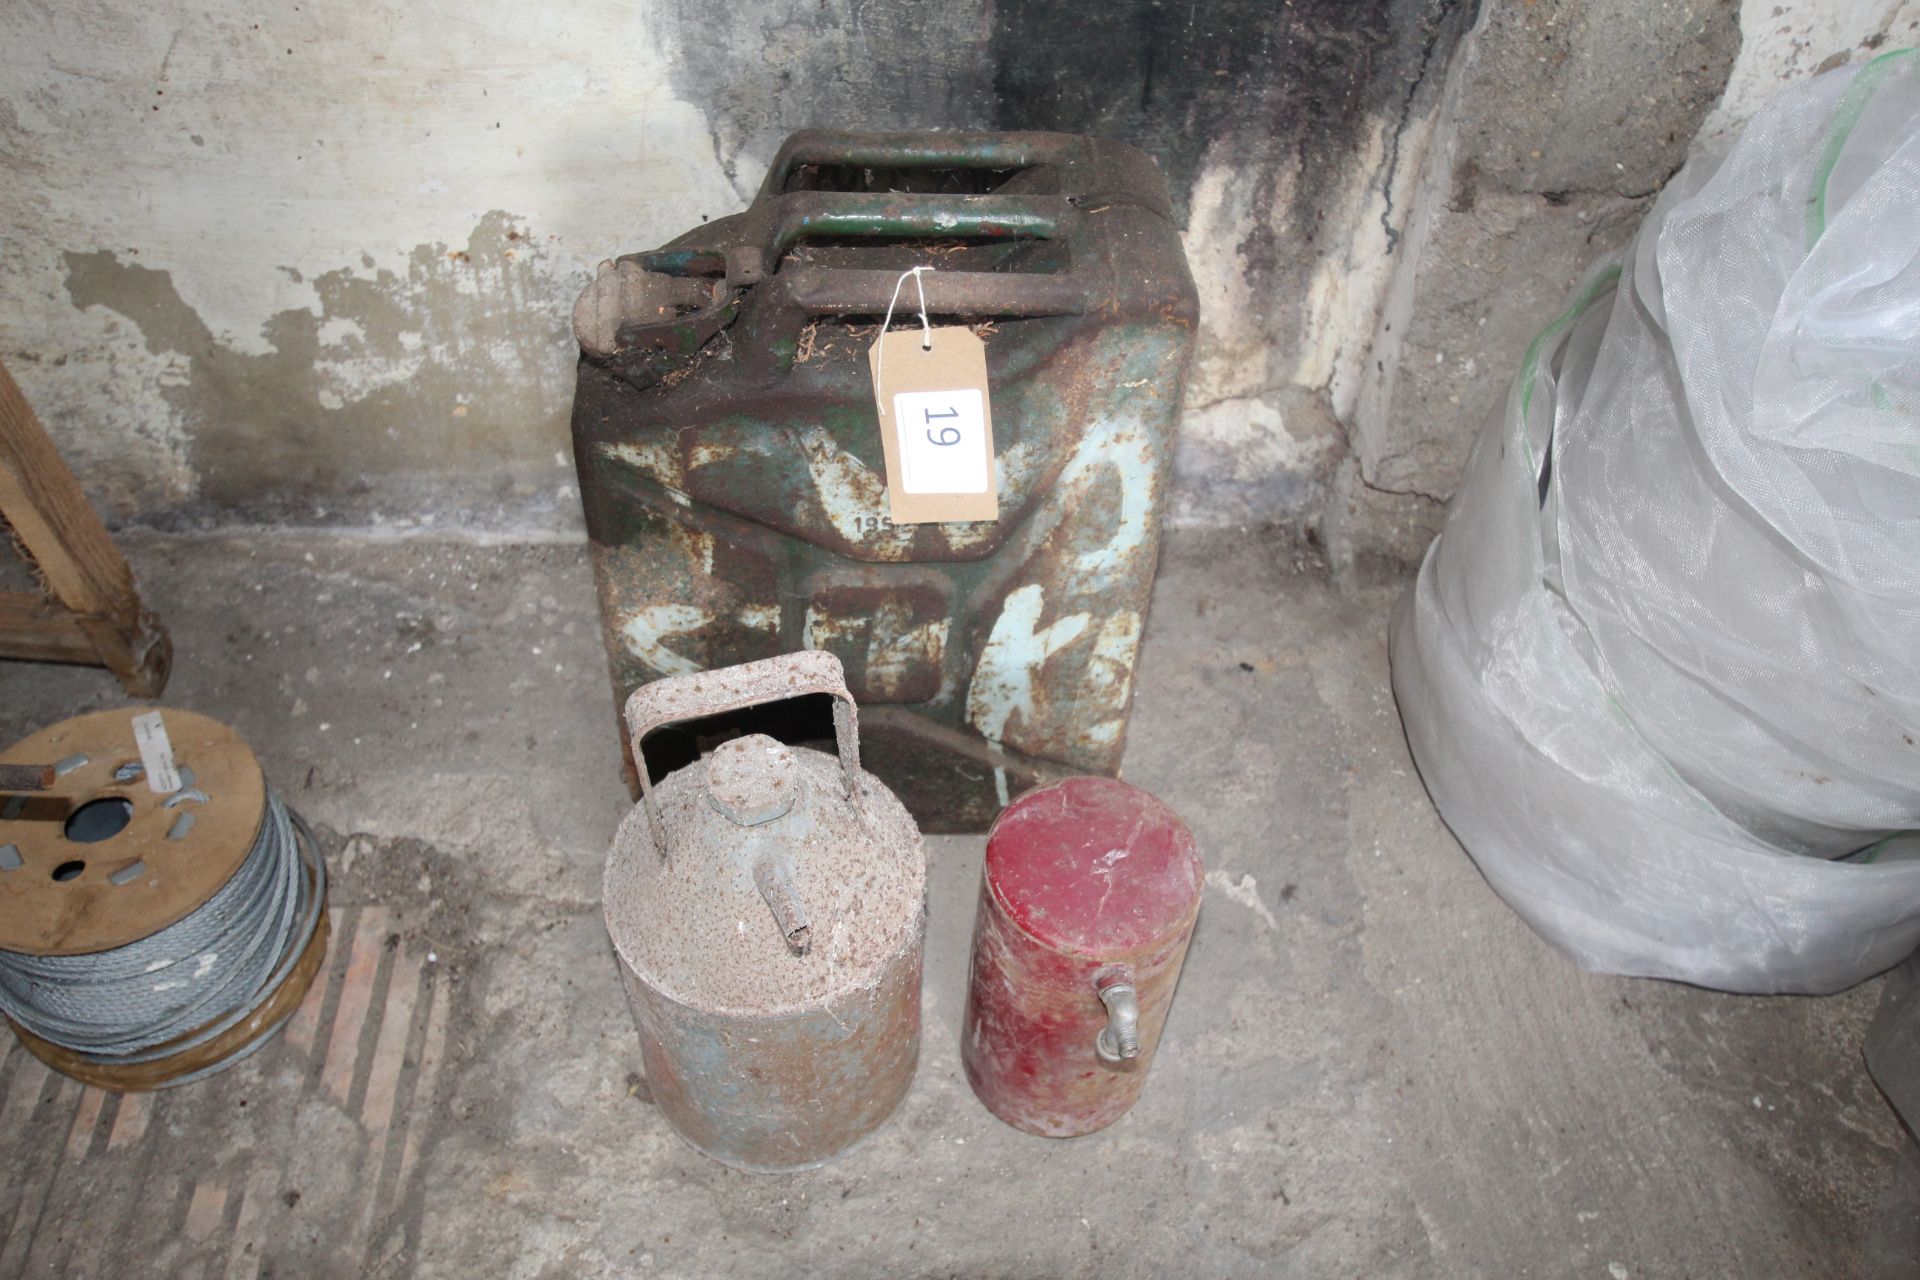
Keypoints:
pixel 942 445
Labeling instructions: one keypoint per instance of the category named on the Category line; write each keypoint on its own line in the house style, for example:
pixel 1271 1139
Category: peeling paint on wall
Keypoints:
pixel 459 357
pixel 255 263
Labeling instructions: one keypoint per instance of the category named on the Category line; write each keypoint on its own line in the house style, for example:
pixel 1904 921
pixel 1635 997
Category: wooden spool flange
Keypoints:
pixel 62 897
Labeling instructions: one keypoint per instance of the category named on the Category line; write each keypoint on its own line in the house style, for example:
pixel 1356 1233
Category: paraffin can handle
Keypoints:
pixel 710 693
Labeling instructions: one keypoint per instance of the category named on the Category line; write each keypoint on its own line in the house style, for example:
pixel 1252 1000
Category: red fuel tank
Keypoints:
pixel 1088 899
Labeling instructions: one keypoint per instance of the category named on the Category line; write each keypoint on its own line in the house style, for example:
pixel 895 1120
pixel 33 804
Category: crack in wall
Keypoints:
pixel 1438 16
pixel 1392 492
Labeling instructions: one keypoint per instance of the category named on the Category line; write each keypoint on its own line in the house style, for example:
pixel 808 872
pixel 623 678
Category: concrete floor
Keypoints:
pixel 1373 1068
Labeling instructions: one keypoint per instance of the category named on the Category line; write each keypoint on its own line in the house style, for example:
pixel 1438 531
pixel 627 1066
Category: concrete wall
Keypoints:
pixel 1560 122
pixel 267 263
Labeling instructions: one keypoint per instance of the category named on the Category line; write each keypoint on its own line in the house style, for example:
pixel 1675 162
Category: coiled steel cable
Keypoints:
pixel 194 979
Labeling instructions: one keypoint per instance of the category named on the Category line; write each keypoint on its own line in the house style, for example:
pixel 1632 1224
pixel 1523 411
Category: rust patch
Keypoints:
pixel 769 926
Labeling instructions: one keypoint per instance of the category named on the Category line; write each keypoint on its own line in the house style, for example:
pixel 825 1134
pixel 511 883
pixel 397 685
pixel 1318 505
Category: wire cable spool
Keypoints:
pixel 151 938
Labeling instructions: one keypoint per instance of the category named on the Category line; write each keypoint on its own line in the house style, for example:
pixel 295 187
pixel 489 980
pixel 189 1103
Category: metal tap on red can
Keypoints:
pixel 1087 902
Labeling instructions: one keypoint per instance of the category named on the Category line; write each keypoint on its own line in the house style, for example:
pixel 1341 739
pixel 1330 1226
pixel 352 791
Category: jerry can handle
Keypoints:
pixel 810 214
pixel 710 693
pixel 917 150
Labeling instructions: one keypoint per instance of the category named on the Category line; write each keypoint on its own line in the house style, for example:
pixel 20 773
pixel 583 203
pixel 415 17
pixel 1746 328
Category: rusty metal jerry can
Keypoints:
pixel 1087 902
pixel 731 467
pixel 767 906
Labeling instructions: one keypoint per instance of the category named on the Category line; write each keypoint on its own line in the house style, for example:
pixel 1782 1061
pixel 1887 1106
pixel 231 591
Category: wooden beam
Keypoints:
pixel 86 572
pixel 39 631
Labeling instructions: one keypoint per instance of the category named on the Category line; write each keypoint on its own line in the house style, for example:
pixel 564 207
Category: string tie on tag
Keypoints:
pixel 926 326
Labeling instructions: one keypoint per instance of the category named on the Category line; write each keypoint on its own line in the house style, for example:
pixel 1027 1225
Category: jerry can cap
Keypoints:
pixel 1094 867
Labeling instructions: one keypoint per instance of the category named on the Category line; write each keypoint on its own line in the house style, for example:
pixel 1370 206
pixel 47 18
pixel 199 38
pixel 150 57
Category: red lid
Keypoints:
pixel 1094 867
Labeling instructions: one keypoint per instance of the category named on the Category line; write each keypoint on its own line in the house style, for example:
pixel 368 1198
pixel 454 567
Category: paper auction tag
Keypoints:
pixel 936 425
pixel 156 752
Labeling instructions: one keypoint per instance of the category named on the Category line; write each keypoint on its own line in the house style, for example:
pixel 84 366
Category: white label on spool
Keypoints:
pixel 156 752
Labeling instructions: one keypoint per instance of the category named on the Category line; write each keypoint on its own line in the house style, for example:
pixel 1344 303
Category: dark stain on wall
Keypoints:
pixel 1273 84
pixel 1300 102
pixel 759 69
pixel 1279 83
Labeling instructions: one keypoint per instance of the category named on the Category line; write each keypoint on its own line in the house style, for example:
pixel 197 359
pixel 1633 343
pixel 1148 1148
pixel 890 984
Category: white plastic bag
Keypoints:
pixel 1661 670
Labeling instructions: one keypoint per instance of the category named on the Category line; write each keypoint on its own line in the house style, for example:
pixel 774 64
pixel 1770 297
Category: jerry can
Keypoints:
pixel 1088 900
pixel 732 474
pixel 768 908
